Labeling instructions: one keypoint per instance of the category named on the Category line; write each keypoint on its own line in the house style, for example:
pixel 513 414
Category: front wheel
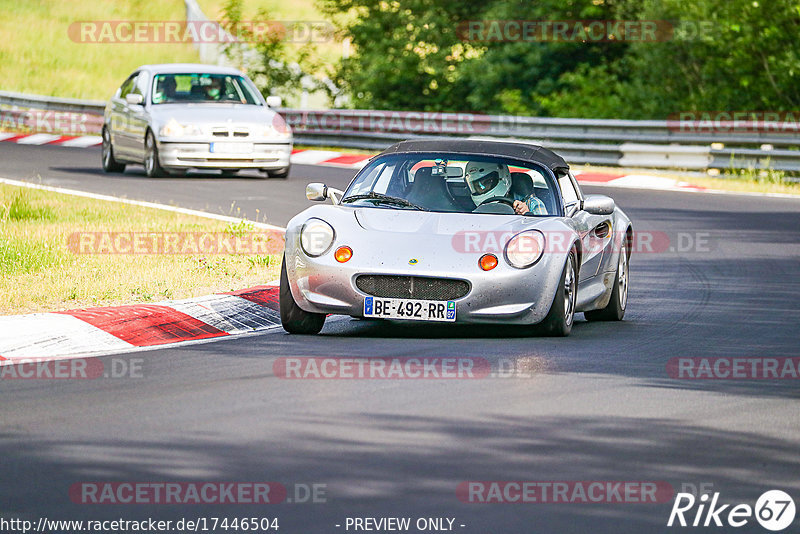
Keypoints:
pixel 294 319
pixel 279 173
pixel 559 319
pixel 152 166
pixel 110 164
pixel 615 309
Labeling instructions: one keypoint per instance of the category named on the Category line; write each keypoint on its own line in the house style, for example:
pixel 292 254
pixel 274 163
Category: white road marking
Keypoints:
pixel 647 181
pixel 141 203
pixel 313 157
pixel 83 141
pixel 48 335
pixel 37 139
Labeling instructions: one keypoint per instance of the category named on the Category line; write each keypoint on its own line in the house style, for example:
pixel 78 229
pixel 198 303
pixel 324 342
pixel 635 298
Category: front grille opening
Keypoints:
pixel 412 287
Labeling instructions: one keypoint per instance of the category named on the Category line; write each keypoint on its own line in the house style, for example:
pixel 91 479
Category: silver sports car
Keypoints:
pixel 175 117
pixel 455 230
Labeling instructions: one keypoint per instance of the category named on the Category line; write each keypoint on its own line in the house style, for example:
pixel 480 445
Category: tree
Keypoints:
pixel 407 53
pixel 261 51
pixel 720 55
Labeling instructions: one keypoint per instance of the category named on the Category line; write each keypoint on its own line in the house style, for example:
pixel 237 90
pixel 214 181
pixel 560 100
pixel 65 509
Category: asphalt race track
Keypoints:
pixel 249 194
pixel 597 406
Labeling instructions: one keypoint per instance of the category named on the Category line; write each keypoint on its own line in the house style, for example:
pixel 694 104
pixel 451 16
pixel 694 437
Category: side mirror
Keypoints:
pixel 316 192
pixel 274 101
pixel 598 205
pixel 134 99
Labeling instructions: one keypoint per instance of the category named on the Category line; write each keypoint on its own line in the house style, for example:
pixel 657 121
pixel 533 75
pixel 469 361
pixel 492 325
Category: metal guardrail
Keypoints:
pixel 71 105
pixel 595 141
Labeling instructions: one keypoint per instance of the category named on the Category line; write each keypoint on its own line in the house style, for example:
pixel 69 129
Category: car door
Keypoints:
pixel 138 116
pixel 594 230
pixel 119 118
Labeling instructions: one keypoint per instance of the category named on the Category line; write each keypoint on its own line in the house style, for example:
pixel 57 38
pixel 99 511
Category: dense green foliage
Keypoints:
pixel 719 55
pixel 265 56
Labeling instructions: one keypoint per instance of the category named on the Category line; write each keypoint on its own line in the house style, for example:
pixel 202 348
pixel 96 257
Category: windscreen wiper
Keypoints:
pixel 372 195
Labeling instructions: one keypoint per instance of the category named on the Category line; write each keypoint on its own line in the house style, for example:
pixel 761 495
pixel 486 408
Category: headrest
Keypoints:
pixel 521 184
pixel 424 176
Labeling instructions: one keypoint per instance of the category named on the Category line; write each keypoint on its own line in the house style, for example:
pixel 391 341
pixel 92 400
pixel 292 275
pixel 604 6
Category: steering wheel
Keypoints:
pixel 504 200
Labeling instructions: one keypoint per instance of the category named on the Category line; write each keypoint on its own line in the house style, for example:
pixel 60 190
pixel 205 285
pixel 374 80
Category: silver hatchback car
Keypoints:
pixel 175 117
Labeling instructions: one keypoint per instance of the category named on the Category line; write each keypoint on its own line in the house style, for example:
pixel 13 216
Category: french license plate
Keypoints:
pixel 232 148
pixel 416 310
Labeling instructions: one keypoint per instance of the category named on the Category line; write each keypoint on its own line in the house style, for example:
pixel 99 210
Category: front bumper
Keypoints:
pixel 186 155
pixel 503 295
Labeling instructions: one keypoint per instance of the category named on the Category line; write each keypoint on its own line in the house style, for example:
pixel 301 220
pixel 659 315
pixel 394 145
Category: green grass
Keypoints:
pixel 21 256
pixel 39 272
pixel 19 208
pixel 38 56
pixel 766 176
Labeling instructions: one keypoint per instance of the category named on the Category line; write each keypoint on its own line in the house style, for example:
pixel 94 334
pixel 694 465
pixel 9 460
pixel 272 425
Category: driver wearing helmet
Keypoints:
pixel 487 180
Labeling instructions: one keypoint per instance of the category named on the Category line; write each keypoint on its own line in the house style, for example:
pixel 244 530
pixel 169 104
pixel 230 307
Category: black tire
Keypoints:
pixel 615 309
pixel 228 173
pixel 110 164
pixel 293 318
pixel 152 165
pixel 279 173
pixel 559 320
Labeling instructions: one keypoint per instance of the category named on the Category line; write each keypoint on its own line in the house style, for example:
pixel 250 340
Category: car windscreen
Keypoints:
pixel 454 183
pixel 202 88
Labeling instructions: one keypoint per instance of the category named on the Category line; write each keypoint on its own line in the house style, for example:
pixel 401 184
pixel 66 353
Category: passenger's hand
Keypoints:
pixel 520 207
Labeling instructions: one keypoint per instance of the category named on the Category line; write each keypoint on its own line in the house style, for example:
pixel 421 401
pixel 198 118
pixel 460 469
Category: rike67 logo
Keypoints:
pixel 774 510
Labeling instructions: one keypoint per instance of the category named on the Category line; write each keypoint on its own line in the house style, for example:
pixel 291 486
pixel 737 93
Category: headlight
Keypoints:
pixel 316 237
pixel 525 249
pixel 173 129
pixel 271 131
pixel 277 127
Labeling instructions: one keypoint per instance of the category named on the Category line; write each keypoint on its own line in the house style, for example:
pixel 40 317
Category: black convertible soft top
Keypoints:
pixel 520 151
